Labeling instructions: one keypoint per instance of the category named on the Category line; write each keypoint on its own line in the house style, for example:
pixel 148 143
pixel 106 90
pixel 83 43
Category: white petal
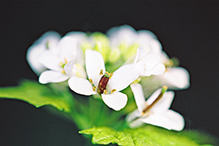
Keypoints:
pixel 52 77
pixel 79 36
pixel 153 96
pixel 176 78
pixel 79 71
pixel 156 46
pixel 75 69
pixel 80 59
pixel 116 101
pixel 170 120
pixel 125 34
pixel 164 103
pixel 68 48
pixel 164 57
pixel 151 60
pixel 141 53
pixel 81 86
pixel 94 64
pixel 49 39
pixel 50 61
pixel 133 115
pixel 176 120
pixel 139 96
pixel 69 67
pixel 33 54
pixel 146 35
pixel 134 119
pixel 156 70
pixel 148 62
pixel 124 76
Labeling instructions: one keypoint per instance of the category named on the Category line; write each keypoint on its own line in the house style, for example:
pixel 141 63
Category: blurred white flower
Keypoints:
pixel 127 39
pixel 104 83
pixel 66 62
pixel 51 54
pixel 155 110
pixel 128 35
pixel 48 41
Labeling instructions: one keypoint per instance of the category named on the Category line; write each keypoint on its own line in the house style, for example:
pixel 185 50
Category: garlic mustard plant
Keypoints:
pixel 108 74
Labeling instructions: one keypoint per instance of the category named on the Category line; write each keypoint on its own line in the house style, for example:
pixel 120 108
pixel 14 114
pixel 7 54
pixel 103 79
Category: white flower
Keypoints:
pixel 104 83
pixel 47 41
pixel 128 35
pixel 149 62
pixel 146 57
pixel 155 110
pixel 63 63
pixel 174 77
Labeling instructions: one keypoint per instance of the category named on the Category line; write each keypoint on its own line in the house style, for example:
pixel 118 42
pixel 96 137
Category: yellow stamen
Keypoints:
pixel 101 72
pixel 63 72
pixel 108 73
pixel 113 90
pixel 94 88
pixel 61 64
pixel 105 92
pixel 111 74
pixel 91 81
pixel 136 81
pixel 165 87
pixel 65 60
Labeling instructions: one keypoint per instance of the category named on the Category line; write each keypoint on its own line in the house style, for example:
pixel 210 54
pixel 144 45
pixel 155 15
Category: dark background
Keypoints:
pixel 188 30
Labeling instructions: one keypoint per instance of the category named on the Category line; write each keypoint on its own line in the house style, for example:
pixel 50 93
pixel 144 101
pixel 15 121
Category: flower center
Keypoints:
pixel 103 82
pixel 61 64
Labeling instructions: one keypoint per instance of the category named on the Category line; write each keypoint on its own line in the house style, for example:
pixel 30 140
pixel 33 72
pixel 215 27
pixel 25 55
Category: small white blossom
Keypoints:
pixel 146 56
pixel 129 36
pixel 48 40
pixel 64 63
pixel 104 83
pixel 155 110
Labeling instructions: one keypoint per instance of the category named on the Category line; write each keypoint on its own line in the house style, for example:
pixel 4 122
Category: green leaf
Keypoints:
pixel 146 136
pixel 39 95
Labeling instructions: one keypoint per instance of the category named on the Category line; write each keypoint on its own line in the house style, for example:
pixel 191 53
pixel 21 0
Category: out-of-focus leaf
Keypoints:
pixel 147 136
pixel 38 95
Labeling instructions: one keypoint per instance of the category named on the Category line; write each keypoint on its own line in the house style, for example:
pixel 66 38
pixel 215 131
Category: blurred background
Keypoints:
pixel 188 30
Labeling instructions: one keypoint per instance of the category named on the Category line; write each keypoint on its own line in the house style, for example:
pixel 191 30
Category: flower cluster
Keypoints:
pixel 105 65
